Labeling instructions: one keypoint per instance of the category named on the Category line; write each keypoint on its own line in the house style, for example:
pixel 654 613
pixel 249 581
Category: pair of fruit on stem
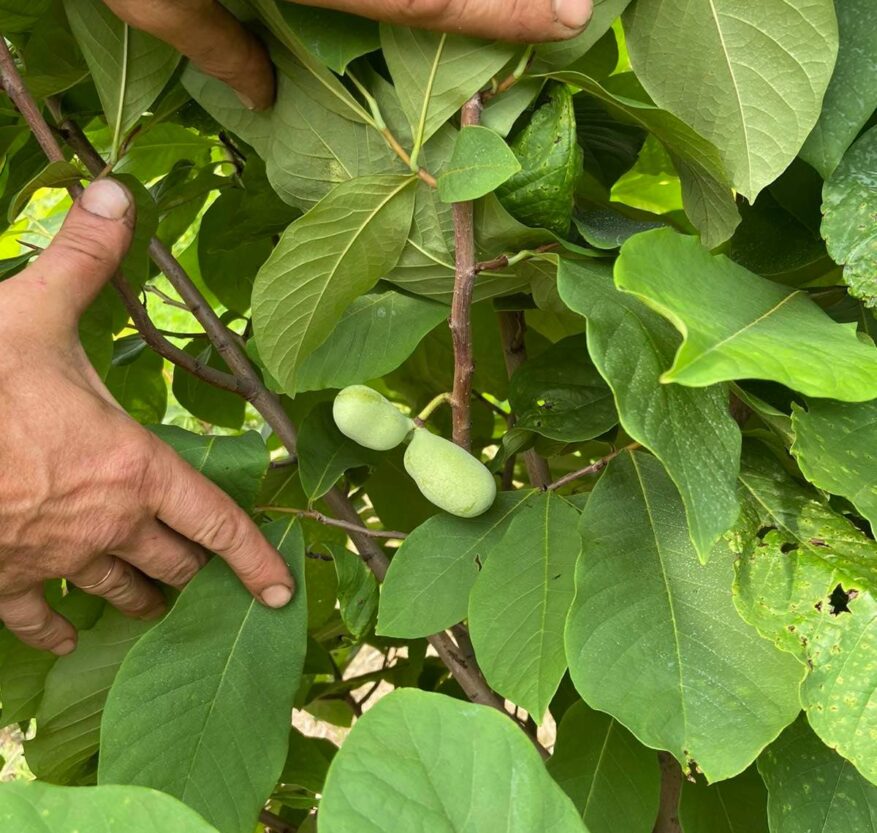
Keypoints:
pixel 447 475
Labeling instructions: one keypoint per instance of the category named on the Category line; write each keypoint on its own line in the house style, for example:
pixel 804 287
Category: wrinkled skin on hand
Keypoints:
pixel 208 34
pixel 86 493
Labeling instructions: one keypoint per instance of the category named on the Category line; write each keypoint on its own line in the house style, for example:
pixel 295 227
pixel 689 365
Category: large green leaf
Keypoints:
pixel 425 763
pixel 436 74
pixel 836 448
pixel 738 325
pixel 690 430
pixel 559 394
pixel 613 780
pixel 810 787
pixel 849 225
pixel 375 334
pixel 481 162
pixel 69 716
pixel 226 669
pixel 129 67
pixel 738 805
pixel 733 71
pixel 852 93
pixel 41 808
pixel 674 662
pixel 518 606
pixel 138 384
pixel 324 260
pixel 427 586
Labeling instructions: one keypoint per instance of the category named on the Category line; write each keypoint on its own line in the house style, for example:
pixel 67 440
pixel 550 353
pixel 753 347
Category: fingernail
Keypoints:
pixel 66 647
pixel 277 596
pixel 106 198
pixel 573 13
pixel 245 100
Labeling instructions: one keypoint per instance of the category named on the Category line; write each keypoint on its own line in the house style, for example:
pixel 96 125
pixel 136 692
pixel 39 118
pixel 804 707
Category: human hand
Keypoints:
pixel 217 43
pixel 86 493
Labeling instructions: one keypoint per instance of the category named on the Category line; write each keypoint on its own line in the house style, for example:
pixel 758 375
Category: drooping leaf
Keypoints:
pixel 357 591
pixel 156 151
pixel 375 334
pixel 54 175
pixel 324 453
pixel 139 385
pixel 733 75
pixel 481 162
pixel 129 67
pixel 541 193
pixel 738 805
pixel 559 394
pixel 653 637
pixel 836 447
pixel 333 37
pixel 851 96
pixel 849 225
pixel 427 586
pixel 613 780
pixel 738 325
pixel 690 430
pixel 15 18
pixel 811 787
pixel 206 663
pixel 518 605
pixel 28 807
pixel 209 403
pixel 414 748
pixel 324 260
pixel 435 74
pixel 76 689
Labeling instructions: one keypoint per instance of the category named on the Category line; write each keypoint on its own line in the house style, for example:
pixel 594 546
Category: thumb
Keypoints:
pixel 89 248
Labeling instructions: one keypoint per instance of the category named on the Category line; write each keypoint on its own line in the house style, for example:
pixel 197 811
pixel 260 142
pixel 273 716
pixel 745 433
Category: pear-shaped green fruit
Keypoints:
pixel 448 476
pixel 370 419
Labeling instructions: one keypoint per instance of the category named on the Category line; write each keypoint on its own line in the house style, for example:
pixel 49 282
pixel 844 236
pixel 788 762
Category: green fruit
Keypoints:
pixel 448 476
pixel 369 419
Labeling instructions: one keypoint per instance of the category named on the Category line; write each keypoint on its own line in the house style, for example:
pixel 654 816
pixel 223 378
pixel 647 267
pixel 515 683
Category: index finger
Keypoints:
pixel 188 502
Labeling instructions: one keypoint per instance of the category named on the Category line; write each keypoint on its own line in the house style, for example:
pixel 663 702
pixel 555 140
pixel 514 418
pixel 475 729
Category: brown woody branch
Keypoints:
pixel 499 263
pixel 594 468
pixel 314 515
pixel 671 790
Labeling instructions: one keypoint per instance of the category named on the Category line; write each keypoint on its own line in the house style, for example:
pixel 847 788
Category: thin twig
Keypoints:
pixel 394 145
pixel 461 305
pixel 314 515
pixel 501 262
pixel 671 789
pixel 171 302
pixel 512 329
pixel 275 823
pixel 594 468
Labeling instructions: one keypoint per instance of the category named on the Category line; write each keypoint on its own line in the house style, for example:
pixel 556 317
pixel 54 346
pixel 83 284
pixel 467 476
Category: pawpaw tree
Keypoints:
pixel 586 542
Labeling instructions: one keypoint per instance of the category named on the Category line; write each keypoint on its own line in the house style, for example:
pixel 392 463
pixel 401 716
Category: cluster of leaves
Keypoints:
pixel 681 206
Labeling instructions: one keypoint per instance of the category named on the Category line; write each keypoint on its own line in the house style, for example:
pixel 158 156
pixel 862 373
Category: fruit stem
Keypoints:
pixel 427 412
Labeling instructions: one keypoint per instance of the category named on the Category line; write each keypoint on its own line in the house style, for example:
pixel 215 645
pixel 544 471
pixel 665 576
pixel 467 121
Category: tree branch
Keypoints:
pixel 671 790
pixel 464 285
pixel 275 823
pixel 593 468
pixel 314 515
pixel 512 329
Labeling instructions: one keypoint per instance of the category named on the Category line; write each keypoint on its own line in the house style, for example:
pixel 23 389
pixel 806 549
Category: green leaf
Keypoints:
pixel 541 194
pixel 851 96
pixel 218 652
pixel 54 175
pixel 324 453
pixel 613 780
pixel 607 228
pixel 15 18
pixel 376 333
pixel 139 385
pixel 323 261
pixel 69 716
pixel 413 749
pixel 738 805
pixel 357 592
pixel 481 163
pixel 236 464
pixel 333 37
pixel 733 73
pixel 689 430
pixel 155 151
pixel 849 225
pixel 213 405
pixel 31 807
pixel 836 448
pixel 559 394
pixel 811 787
pixel 738 325
pixel 436 74
pixel 520 599
pixel 692 677
pixel 427 586
pixel 129 67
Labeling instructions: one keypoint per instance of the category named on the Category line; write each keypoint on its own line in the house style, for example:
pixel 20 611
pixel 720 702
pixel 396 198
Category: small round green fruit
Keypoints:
pixel 370 419
pixel 449 476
